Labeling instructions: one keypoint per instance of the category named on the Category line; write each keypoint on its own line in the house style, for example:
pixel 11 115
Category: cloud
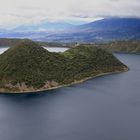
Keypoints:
pixel 16 12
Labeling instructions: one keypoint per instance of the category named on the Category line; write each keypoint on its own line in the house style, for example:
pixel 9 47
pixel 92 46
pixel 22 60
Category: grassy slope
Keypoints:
pixel 33 65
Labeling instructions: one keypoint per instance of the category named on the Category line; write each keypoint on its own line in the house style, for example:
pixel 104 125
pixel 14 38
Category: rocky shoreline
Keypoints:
pixel 33 90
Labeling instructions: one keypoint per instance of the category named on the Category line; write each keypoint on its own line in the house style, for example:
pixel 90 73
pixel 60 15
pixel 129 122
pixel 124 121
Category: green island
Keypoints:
pixel 28 67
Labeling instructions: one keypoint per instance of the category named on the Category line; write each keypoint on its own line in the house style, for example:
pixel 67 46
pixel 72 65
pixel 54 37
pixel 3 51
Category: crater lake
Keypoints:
pixel 103 108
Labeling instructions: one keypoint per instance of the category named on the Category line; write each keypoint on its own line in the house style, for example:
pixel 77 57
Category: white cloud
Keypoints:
pixel 13 12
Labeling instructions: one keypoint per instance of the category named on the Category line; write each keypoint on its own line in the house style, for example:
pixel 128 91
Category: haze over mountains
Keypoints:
pixel 109 29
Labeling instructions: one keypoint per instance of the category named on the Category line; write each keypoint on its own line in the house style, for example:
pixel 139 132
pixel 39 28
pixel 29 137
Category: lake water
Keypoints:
pixel 51 49
pixel 3 49
pixel 104 108
pixel 56 49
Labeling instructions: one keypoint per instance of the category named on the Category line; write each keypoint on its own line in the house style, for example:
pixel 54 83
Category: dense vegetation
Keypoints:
pixel 31 67
pixel 122 46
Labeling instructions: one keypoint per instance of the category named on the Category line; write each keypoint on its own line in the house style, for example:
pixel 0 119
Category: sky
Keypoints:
pixel 18 12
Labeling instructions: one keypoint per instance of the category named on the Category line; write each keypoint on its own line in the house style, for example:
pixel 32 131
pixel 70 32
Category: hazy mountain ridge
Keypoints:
pixel 110 29
pixel 45 26
pixel 104 30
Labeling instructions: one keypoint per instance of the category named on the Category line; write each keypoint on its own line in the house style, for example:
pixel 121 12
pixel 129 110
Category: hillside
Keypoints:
pixel 122 46
pixel 10 41
pixel 14 41
pixel 29 67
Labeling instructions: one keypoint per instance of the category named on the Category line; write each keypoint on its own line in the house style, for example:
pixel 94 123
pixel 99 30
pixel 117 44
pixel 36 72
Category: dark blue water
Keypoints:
pixel 104 108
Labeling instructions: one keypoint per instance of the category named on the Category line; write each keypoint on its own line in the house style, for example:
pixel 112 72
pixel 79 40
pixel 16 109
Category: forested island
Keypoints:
pixel 28 67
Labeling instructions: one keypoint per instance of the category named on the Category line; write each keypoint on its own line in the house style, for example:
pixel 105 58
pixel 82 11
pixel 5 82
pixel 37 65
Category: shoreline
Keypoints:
pixel 66 85
pixel 131 53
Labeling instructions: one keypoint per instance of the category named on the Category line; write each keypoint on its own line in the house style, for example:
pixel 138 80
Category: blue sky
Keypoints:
pixel 17 12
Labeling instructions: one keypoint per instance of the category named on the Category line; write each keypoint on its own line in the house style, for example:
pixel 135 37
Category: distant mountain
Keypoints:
pixel 35 32
pixel 113 29
pixel 44 26
pixel 110 29
pixel 112 24
pixel 103 30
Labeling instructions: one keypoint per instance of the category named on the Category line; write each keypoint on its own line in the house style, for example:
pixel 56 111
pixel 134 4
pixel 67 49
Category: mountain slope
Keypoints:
pixel 10 41
pixel 29 67
pixel 122 46
pixel 115 28
pixel 110 29
pixel 44 26
pixel 103 30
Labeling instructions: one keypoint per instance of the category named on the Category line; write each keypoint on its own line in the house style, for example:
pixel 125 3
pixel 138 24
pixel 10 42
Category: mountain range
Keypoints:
pixel 110 29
